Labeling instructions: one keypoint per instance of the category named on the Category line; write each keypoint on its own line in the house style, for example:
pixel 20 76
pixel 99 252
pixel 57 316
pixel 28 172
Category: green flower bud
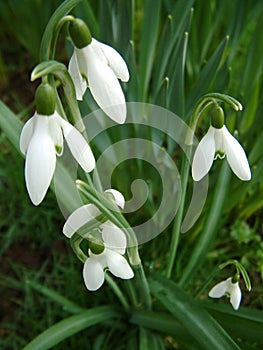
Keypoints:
pixel 96 243
pixel 45 99
pixel 218 118
pixel 79 33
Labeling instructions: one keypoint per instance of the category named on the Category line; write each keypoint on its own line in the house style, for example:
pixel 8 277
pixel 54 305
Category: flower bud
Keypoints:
pixel 45 99
pixel 79 33
pixel 217 117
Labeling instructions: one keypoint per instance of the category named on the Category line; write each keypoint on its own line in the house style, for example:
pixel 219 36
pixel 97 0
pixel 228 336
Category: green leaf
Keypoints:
pixel 165 323
pixel 208 333
pixel 246 324
pixel 209 231
pixel 175 25
pixel 86 12
pixel 67 304
pixel 10 125
pixel 71 325
pixel 148 340
pixel 46 43
pixel 149 35
pixel 207 75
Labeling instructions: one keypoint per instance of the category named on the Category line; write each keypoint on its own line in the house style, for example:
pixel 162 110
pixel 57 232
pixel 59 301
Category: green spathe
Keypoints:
pixel 79 33
pixel 45 100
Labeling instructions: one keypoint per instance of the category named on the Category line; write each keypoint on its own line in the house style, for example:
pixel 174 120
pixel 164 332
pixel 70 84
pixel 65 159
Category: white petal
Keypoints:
pixel 219 289
pixel 204 155
pixel 79 82
pixel 118 196
pixel 93 274
pixel 79 217
pixel 26 133
pixel 78 146
pixel 118 265
pixel 40 161
pixel 114 237
pixel 56 132
pixel 115 61
pixel 236 156
pixel 235 296
pixel 105 88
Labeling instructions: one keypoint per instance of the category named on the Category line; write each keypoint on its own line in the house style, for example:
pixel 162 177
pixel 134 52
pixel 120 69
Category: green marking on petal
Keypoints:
pixel 219 154
pixel 58 149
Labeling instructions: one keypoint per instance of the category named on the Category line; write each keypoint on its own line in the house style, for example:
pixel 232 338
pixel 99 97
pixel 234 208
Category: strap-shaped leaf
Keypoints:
pixel 197 321
pixel 10 124
pixel 207 75
pixel 71 325
pixel 246 324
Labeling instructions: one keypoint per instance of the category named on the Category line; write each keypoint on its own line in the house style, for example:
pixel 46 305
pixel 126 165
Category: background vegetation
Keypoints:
pixel 221 52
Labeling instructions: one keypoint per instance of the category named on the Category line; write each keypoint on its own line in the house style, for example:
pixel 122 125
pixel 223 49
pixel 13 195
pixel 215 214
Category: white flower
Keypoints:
pixel 218 143
pixel 228 288
pixel 113 240
pixel 99 66
pixel 41 140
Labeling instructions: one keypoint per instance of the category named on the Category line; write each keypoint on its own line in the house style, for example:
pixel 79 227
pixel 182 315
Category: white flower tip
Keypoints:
pixel 67 230
pixel 125 76
pixel 247 177
pixel 93 274
pixel 197 176
pixel 87 160
pixel 36 198
pixel 118 196
pixel 117 113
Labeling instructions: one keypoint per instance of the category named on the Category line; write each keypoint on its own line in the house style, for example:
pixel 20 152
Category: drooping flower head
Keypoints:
pixel 229 288
pixel 41 140
pixel 98 66
pixel 106 247
pixel 218 143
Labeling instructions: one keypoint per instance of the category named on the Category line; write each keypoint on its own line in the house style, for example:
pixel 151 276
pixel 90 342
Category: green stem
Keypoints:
pixel 75 242
pixel 211 225
pixel 117 292
pixel 178 219
pixel 47 43
pixel 143 287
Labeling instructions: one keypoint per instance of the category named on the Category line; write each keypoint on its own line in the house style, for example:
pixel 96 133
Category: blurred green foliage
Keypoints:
pixel 222 51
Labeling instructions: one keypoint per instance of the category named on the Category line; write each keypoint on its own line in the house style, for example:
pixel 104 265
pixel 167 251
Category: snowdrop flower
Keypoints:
pixel 229 289
pixel 41 141
pixel 218 142
pixel 107 251
pixel 98 66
